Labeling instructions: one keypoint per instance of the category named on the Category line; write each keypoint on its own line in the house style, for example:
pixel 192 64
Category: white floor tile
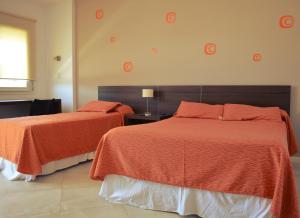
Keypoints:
pixel 70 193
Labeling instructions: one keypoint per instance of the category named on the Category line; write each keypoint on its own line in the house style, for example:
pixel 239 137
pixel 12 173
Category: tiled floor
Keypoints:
pixel 68 193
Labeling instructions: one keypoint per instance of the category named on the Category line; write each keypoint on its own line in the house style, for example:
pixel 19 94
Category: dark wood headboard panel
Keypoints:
pixel 167 98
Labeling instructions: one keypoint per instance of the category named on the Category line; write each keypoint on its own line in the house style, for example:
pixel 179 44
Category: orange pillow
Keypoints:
pixel 99 106
pixel 199 110
pixel 124 110
pixel 247 112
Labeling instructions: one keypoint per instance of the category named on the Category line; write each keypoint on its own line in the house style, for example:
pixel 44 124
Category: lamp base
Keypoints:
pixel 147 114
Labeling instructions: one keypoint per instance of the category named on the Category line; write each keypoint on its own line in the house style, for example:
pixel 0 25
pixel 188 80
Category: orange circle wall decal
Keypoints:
pixel 127 66
pixel 256 57
pixel 112 39
pixel 154 50
pixel 210 48
pixel 99 14
pixel 171 17
pixel 286 21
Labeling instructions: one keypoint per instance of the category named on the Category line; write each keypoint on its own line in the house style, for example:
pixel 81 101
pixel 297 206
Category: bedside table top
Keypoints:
pixel 154 117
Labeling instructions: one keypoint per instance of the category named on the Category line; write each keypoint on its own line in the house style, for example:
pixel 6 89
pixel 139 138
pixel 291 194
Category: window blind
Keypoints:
pixel 16 47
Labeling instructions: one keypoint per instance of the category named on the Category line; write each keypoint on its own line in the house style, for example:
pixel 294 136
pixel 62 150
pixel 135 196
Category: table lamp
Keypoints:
pixel 147 93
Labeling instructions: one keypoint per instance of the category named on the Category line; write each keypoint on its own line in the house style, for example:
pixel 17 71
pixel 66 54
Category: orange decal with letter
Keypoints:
pixel 154 50
pixel 210 48
pixel 127 66
pixel 112 39
pixel 171 17
pixel 99 14
pixel 286 21
pixel 256 57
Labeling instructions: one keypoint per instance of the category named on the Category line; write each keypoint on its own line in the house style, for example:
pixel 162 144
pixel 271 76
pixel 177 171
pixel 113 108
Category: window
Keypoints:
pixel 16 59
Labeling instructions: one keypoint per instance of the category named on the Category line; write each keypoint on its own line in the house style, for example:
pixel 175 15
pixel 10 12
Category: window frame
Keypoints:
pixel 28 88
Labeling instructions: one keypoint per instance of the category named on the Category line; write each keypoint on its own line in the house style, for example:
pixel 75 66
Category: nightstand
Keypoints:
pixel 141 118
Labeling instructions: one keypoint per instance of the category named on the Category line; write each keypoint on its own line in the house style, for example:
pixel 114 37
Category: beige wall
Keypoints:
pixel 30 9
pixel 59 37
pixel 239 28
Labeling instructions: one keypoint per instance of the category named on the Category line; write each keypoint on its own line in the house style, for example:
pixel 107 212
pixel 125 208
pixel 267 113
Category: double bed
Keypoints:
pixel 203 166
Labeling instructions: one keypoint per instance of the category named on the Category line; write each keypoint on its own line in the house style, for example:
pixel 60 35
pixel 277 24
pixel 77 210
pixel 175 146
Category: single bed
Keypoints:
pixel 212 168
pixel 40 145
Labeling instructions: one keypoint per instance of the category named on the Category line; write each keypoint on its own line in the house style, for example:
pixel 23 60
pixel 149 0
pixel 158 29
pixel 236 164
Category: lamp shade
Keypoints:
pixel 147 93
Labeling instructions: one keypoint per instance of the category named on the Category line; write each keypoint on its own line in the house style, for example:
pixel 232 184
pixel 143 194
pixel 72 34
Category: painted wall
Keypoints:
pixel 30 9
pixel 166 53
pixel 59 38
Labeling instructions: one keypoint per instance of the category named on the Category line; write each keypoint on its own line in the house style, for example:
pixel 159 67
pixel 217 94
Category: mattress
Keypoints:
pixel 181 200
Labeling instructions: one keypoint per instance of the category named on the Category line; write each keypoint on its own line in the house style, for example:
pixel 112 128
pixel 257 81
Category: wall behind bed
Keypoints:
pixel 175 42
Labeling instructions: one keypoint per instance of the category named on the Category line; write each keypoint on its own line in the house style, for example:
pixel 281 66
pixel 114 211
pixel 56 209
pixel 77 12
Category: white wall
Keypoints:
pixel 30 9
pixel 54 32
pixel 59 42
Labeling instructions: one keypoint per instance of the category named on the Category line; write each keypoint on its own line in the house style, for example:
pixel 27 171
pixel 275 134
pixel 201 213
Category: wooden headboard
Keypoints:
pixel 167 98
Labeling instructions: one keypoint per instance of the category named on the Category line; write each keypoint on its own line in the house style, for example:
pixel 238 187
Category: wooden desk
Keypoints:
pixel 15 108
pixel 19 108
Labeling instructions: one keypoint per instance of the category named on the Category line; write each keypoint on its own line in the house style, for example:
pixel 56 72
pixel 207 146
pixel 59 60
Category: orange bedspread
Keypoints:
pixel 240 157
pixel 31 142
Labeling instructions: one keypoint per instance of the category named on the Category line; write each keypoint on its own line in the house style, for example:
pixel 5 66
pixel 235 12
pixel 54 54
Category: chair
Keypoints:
pixel 42 107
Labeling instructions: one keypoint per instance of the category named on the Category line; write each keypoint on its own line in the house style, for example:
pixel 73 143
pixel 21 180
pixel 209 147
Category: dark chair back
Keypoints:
pixel 41 107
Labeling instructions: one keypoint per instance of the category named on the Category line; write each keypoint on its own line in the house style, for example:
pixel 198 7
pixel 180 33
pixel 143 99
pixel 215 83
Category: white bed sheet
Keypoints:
pixel 9 169
pixel 184 201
